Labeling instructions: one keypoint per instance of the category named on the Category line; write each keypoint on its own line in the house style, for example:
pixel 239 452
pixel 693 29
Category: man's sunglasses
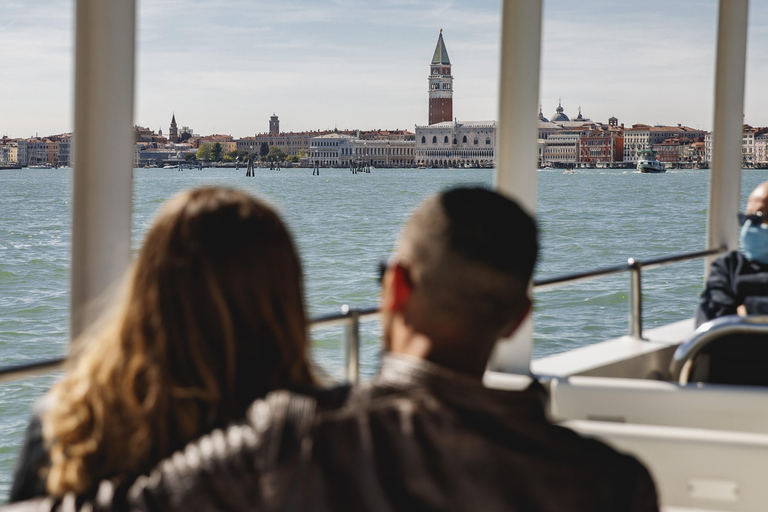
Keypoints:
pixel 756 218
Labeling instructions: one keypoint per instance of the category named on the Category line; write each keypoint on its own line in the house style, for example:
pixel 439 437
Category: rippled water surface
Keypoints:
pixel 344 224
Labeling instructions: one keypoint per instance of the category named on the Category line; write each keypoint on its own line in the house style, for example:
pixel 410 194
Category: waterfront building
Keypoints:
pixel 325 150
pixel 602 144
pixel 541 145
pixel 378 152
pixel 560 121
pixel 37 151
pixel 456 144
pixel 692 152
pixel 290 143
pixel 247 144
pixel 213 139
pixel 643 136
pixel 440 85
pixel 173 132
pixel 151 154
pixel 562 147
pixel 748 146
pixel 64 157
pixel 10 152
pixel 147 135
pixel 668 150
pixel 761 150
pixel 707 149
pixel 21 151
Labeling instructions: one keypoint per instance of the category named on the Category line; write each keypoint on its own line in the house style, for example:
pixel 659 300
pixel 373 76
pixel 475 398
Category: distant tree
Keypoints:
pixel 276 155
pixel 190 156
pixel 302 153
pixel 216 152
pixel 204 152
pixel 264 150
pixel 293 158
pixel 228 158
pixel 233 154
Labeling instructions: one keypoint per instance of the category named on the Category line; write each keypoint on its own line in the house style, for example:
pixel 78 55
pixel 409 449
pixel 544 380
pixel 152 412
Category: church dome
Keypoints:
pixel 560 114
pixel 541 116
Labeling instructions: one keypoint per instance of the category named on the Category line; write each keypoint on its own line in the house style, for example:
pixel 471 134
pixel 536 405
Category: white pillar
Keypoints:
pixel 725 181
pixel 517 139
pixel 101 211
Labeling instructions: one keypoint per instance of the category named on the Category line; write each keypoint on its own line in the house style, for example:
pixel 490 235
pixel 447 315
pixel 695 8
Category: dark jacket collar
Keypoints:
pixel 406 373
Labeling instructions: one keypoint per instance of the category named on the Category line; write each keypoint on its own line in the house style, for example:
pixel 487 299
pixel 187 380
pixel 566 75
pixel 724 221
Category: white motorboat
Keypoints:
pixel 647 162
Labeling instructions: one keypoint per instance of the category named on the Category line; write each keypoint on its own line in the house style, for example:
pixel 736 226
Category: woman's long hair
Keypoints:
pixel 213 319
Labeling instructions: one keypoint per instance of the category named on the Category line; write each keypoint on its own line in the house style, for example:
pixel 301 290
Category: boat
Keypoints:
pixel 40 166
pixel 422 166
pixel 647 162
pixel 570 170
pixel 705 444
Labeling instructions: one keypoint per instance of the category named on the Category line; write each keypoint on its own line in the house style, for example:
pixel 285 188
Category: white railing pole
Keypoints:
pixel 725 181
pixel 103 138
pixel 516 140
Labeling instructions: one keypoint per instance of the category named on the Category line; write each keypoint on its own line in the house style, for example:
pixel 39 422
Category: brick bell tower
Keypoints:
pixel 440 85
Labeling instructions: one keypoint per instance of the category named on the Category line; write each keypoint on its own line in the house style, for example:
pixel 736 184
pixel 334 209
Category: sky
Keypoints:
pixel 225 66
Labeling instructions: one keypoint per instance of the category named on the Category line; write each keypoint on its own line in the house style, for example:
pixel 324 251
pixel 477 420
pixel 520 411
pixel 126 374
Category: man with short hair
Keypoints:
pixel 738 280
pixel 425 434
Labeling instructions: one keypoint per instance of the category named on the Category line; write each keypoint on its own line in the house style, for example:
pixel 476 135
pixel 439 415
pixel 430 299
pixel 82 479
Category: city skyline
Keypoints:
pixel 225 68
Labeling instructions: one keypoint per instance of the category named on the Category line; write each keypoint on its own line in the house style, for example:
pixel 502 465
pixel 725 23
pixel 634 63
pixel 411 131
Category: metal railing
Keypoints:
pixel 350 318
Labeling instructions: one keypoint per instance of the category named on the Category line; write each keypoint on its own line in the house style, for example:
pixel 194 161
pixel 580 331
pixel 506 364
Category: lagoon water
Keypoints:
pixel 344 225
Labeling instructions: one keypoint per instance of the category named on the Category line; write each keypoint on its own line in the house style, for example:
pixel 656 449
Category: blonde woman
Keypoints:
pixel 213 319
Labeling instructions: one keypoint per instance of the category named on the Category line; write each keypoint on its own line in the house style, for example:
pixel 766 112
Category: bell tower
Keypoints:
pixel 173 133
pixel 440 85
pixel 274 125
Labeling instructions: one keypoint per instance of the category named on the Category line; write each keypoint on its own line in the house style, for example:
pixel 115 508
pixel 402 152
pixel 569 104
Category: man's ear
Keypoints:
pixel 397 288
pixel 513 324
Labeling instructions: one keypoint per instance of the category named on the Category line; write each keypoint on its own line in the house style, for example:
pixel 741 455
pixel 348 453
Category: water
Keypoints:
pixel 344 225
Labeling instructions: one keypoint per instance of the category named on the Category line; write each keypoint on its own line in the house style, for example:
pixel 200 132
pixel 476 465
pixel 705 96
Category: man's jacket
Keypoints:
pixel 416 438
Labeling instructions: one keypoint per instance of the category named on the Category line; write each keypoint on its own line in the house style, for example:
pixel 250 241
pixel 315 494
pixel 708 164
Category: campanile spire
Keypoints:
pixel 440 85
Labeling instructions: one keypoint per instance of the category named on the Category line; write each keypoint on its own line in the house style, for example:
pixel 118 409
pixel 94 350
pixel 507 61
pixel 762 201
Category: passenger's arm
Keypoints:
pixel 29 477
pixel 220 471
pixel 245 467
pixel 719 298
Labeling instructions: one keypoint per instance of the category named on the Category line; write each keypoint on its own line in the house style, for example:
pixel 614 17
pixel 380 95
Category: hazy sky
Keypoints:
pixel 225 66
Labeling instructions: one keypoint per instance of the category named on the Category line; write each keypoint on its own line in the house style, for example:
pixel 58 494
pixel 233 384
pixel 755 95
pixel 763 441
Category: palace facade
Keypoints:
pixel 445 141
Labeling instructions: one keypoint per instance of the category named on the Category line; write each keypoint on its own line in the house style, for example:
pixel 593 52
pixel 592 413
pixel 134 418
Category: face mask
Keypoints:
pixel 753 241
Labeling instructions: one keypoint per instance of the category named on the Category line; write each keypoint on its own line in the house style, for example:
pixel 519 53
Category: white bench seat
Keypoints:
pixel 646 402
pixel 694 469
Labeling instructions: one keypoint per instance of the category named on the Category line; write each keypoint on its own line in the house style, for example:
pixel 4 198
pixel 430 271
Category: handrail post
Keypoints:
pixel 516 148
pixel 103 153
pixel 727 130
pixel 352 345
pixel 636 298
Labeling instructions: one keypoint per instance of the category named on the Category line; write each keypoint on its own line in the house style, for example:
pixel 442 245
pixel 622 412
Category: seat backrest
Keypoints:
pixel 645 402
pixel 693 468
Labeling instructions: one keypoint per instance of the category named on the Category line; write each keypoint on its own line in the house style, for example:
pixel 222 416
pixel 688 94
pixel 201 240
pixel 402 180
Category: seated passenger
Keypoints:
pixel 213 319
pixel 738 280
pixel 425 434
